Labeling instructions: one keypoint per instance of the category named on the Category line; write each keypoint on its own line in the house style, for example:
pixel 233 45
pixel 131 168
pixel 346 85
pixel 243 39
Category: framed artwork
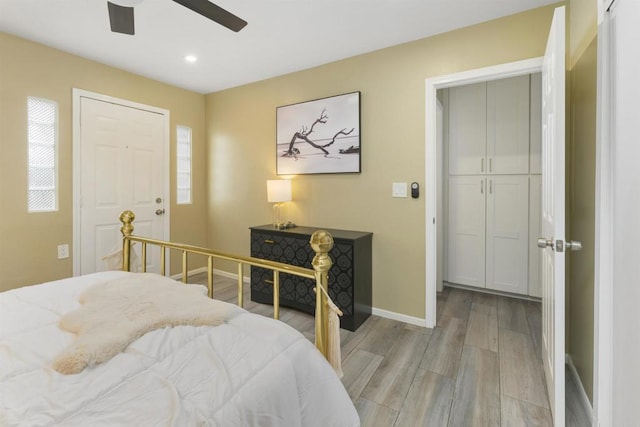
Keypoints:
pixel 319 136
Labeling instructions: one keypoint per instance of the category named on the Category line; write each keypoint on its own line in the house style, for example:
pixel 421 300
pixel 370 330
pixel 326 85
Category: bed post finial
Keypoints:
pixel 126 218
pixel 322 242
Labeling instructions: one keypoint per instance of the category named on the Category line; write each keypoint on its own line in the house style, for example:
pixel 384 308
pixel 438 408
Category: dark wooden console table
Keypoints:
pixel 349 277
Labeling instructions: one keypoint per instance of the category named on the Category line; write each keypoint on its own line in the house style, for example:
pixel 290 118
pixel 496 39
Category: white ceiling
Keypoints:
pixel 282 35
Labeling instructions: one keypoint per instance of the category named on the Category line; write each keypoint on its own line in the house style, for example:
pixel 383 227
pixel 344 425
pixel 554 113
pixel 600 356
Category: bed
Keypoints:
pixel 249 370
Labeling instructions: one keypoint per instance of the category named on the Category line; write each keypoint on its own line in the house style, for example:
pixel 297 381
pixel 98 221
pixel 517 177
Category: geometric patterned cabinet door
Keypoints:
pixel 349 277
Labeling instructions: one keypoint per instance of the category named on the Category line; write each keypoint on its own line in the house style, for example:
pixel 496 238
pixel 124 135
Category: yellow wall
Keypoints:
pixel 241 152
pixel 582 154
pixel 28 252
pixel 583 16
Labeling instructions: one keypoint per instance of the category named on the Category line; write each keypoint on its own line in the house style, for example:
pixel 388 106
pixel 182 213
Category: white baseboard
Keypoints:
pixel 583 394
pixel 376 311
pixel 189 273
pixel 228 275
pixel 215 271
pixel 399 317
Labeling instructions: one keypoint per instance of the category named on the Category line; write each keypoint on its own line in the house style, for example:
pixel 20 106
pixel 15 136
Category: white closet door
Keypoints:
pixel 467 129
pixel 508 125
pixel 508 233
pixel 466 230
pixel 535 124
pixel 535 186
pixel 552 215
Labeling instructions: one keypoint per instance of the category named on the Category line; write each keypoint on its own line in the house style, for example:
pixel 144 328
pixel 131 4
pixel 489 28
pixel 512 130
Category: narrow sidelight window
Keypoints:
pixel 183 167
pixel 42 116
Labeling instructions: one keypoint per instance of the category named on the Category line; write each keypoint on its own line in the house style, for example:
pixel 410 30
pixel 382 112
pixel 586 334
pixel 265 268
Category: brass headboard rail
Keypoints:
pixel 321 242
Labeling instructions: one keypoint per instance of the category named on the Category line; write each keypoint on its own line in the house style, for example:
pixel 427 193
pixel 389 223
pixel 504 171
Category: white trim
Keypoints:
pixel 375 311
pixel 189 273
pixel 495 72
pixel 77 94
pixel 603 253
pixel 604 6
pixel 245 279
pixel 584 399
pixel 216 272
pixel 494 292
pixel 398 316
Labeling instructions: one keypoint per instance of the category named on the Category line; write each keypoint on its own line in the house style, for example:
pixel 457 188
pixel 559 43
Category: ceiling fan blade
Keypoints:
pixel 121 18
pixel 215 13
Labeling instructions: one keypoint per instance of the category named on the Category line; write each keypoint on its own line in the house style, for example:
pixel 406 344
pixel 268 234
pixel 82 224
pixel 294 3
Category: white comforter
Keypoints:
pixel 252 371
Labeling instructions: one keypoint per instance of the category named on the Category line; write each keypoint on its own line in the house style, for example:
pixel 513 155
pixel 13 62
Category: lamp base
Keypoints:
pixel 284 225
pixel 278 224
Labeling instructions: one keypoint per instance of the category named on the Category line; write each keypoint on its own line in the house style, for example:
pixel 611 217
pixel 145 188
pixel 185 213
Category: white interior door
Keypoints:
pixel 122 167
pixel 553 215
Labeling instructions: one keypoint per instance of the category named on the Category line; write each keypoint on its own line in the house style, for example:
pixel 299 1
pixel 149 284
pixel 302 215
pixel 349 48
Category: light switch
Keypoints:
pixel 63 251
pixel 399 189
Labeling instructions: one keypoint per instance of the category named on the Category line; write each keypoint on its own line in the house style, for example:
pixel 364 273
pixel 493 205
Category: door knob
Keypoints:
pixel 159 211
pixel 574 245
pixel 545 243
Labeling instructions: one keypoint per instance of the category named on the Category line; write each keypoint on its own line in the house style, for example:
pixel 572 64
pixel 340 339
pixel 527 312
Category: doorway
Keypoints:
pixel 552 67
pixel 434 216
pixel 121 161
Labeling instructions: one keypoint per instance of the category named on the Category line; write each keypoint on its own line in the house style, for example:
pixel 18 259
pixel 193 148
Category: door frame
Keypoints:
pixel 432 148
pixel 77 95
pixel 604 238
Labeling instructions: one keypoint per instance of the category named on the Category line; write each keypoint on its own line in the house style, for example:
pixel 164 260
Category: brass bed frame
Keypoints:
pixel 321 242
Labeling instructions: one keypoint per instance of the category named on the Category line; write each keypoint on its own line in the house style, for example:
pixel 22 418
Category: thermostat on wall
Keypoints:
pixel 415 190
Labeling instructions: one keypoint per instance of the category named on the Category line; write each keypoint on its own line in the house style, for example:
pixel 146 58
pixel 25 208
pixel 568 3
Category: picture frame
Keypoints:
pixel 321 136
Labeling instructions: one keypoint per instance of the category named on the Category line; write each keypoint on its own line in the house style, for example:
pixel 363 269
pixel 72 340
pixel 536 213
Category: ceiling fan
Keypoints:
pixel 121 14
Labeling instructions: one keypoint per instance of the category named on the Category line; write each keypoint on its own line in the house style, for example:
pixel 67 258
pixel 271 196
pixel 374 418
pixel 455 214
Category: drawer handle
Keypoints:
pixel 268 281
pixel 269 241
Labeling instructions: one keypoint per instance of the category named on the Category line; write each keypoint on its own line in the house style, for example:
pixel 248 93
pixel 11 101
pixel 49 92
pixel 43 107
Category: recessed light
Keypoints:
pixel 191 58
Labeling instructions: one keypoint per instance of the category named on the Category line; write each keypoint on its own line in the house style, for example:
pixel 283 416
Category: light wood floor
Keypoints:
pixel 480 366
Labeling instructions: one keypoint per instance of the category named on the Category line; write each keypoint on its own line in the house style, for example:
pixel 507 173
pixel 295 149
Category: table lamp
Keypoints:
pixel 278 192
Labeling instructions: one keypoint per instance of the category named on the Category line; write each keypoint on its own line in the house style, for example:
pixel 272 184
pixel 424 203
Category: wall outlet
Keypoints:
pixel 63 251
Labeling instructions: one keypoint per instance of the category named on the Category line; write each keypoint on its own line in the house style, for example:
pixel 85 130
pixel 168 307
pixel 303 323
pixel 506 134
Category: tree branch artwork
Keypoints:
pixel 319 136
pixel 303 135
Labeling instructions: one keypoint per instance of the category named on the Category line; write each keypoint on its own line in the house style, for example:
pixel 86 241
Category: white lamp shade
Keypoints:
pixel 278 190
